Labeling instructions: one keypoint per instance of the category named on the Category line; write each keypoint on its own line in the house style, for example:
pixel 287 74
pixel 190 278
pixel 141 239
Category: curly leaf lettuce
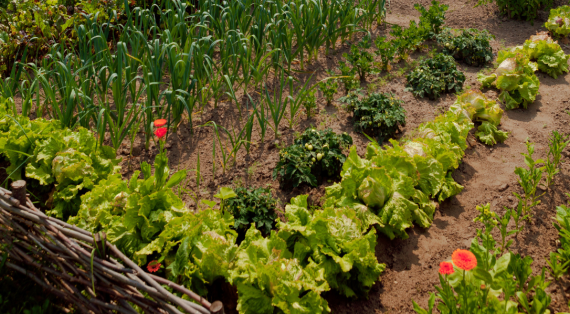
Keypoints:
pixel 267 278
pixel 548 54
pixel 334 242
pixel 490 135
pixel 558 22
pixel 514 77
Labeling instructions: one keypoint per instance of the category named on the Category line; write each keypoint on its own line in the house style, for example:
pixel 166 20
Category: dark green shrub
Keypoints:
pixel 252 206
pixel 435 76
pixel 313 156
pixel 470 45
pixel 379 115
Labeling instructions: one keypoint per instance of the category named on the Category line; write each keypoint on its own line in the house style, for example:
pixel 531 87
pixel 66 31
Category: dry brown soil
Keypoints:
pixel 487 173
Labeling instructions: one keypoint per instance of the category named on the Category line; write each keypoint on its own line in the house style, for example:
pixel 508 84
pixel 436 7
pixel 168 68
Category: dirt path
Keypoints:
pixel 488 177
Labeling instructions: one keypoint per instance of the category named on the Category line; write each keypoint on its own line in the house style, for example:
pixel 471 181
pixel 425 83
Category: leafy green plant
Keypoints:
pixel 514 77
pixel 558 22
pixel 345 253
pixel 556 144
pixel 488 133
pixel 432 19
pixel 359 57
pixel 348 78
pixel 407 40
pixel 488 278
pixel 267 276
pixel 470 45
pixel 529 180
pixel 380 115
pixel 435 76
pixel 547 53
pixel 310 103
pixel 386 49
pixel 329 87
pixel 252 206
pixel 313 156
pixel 562 224
pixel 519 9
pixel 132 213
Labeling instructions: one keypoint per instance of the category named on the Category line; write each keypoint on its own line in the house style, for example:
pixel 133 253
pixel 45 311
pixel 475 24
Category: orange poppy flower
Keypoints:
pixel 159 123
pixel 464 259
pixel 446 268
pixel 160 133
pixel 153 266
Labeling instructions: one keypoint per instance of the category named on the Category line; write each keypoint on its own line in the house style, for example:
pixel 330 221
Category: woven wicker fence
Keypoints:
pixel 81 268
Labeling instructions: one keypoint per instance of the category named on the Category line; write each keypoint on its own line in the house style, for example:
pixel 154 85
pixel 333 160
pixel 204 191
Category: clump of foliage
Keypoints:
pixel 519 9
pixel 252 206
pixel 71 161
pixel 329 87
pixel 315 154
pixel 488 276
pixel 514 77
pixel 133 213
pixel 559 21
pixel 310 103
pixel 470 45
pixel 380 114
pixel 386 50
pixel 435 76
pixel 547 53
pixel 35 25
pixel 432 20
pixel 475 106
pixel 270 279
pixel 359 58
pixel 407 40
pixel 348 78
pixel 345 250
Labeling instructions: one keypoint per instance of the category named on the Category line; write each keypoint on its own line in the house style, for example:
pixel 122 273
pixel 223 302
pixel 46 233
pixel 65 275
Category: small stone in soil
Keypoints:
pixel 503 187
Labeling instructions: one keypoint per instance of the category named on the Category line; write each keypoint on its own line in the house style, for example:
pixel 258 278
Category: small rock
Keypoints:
pixel 510 198
pixel 503 187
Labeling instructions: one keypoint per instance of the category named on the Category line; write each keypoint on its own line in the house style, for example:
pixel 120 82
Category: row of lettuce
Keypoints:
pixel 314 251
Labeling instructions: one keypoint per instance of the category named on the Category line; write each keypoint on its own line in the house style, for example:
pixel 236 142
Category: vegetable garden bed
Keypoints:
pixel 369 261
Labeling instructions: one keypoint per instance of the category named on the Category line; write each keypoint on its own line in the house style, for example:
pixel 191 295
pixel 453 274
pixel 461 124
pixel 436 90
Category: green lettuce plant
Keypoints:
pixel 547 53
pixel 514 77
pixel 269 278
pixel 74 163
pixel 558 22
pixel 314 156
pixel 475 106
pixel 335 242
pixel 133 214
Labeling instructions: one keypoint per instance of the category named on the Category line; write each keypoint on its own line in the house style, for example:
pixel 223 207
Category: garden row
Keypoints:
pixel 284 265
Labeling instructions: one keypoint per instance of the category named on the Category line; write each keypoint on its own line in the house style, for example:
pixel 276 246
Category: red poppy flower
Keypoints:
pixel 160 133
pixel 159 123
pixel 446 268
pixel 464 259
pixel 153 266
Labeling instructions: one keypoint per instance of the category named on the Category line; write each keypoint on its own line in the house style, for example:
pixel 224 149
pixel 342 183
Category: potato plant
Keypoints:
pixel 435 76
pixel 470 45
pixel 313 156
pixel 380 115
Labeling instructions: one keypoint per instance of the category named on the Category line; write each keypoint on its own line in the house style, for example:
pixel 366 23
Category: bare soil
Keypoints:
pixel 486 173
